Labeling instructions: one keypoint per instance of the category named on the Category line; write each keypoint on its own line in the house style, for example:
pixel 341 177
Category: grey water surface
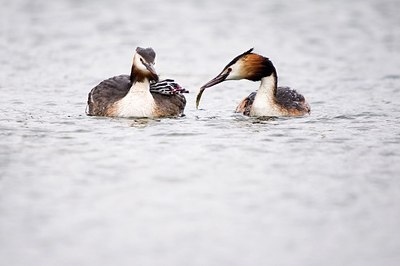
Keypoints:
pixel 214 187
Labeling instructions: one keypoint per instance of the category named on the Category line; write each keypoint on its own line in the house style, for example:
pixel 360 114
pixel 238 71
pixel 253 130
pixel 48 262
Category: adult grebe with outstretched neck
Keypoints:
pixel 269 99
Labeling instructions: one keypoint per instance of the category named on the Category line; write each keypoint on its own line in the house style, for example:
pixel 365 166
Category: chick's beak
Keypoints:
pixel 218 79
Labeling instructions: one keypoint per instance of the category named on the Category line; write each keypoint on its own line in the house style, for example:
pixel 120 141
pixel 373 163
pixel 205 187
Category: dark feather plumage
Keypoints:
pixel 291 99
pixel 287 98
pixel 166 93
pixel 169 105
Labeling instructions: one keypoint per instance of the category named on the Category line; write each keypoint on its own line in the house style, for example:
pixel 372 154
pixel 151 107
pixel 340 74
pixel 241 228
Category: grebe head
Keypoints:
pixel 244 66
pixel 143 65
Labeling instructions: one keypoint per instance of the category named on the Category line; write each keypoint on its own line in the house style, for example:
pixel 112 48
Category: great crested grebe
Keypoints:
pixel 140 94
pixel 268 100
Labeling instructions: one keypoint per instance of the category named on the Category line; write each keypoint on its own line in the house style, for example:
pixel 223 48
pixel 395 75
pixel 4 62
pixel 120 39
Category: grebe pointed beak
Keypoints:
pixel 218 79
pixel 152 70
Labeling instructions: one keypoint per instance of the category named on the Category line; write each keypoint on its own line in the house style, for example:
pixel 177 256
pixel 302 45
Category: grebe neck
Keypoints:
pixel 268 85
pixel 142 86
pixel 264 102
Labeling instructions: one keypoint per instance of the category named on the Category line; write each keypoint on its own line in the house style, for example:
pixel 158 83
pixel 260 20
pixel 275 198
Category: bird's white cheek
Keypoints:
pixel 234 75
pixel 139 64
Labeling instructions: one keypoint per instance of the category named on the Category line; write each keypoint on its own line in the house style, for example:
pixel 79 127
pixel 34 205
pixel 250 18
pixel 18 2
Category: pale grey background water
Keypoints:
pixel 213 188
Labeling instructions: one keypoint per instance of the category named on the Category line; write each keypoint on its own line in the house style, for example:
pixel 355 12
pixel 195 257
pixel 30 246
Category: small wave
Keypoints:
pixel 391 77
pixel 345 117
pixel 177 134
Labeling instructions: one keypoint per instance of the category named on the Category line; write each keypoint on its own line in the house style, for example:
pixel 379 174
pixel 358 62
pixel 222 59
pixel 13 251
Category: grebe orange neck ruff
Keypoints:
pixel 269 100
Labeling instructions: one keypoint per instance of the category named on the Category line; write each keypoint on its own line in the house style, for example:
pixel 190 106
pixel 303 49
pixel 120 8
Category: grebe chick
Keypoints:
pixel 139 94
pixel 268 100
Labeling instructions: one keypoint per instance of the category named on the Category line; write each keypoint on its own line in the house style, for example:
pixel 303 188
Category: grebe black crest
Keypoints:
pixel 139 94
pixel 269 99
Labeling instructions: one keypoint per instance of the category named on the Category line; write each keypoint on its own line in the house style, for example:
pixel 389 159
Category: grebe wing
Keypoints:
pixel 169 105
pixel 245 105
pixel 106 93
pixel 292 100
